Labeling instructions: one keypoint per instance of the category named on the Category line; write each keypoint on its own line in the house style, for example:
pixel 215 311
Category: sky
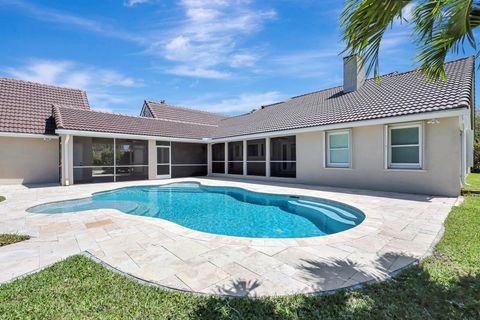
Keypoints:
pixel 224 56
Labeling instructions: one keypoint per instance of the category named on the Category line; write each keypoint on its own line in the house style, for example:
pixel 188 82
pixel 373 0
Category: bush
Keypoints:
pixel 476 157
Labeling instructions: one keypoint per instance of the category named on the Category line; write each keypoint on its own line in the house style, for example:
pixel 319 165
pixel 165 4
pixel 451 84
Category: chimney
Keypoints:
pixel 353 73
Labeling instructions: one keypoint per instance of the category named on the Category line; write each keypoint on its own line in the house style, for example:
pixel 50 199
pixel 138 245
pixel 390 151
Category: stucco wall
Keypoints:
pixel 152 160
pixel 28 160
pixel 441 174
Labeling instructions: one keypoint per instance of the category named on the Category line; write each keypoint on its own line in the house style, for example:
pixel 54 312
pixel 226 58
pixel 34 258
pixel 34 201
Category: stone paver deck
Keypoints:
pixel 398 230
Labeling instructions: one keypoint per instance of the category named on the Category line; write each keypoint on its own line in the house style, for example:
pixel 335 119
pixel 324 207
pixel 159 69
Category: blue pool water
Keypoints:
pixel 222 210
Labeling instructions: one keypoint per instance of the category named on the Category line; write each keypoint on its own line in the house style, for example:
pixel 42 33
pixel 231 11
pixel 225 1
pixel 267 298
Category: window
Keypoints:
pixel 235 157
pixel 218 158
pixel 338 149
pixel 405 147
pixel 283 157
pixel 256 160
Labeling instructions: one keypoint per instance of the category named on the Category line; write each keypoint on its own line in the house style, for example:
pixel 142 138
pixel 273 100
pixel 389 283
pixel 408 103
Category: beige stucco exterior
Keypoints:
pixel 29 160
pixel 35 160
pixel 152 160
pixel 440 174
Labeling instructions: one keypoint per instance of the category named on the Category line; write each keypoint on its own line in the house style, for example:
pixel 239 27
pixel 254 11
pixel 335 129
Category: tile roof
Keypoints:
pixel 396 94
pixel 26 107
pixel 181 114
pixel 88 120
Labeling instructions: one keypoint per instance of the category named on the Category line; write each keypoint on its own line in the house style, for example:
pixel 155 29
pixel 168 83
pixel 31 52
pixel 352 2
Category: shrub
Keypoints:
pixel 476 157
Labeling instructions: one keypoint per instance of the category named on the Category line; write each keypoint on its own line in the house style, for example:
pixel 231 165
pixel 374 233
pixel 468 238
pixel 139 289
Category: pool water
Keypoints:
pixel 222 210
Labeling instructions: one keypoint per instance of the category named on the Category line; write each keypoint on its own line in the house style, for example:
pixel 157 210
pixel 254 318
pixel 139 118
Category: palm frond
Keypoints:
pixel 443 28
pixel 364 23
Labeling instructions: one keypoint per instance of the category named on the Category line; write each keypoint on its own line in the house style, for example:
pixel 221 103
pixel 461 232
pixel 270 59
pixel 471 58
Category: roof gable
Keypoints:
pixel 26 107
pixel 180 114
pixel 88 120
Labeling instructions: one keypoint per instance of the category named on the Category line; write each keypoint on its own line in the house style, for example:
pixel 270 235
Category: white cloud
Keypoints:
pixel 244 103
pixel 206 73
pixel 101 84
pixel 393 39
pixel 207 39
pixel 50 15
pixel 243 60
pixel 70 74
pixel 407 12
pixel 132 3
pixel 324 64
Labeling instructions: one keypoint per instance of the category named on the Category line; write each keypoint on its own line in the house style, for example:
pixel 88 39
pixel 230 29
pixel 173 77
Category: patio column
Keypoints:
pixel 152 159
pixel 209 159
pixel 267 157
pixel 226 157
pixel 244 157
pixel 66 153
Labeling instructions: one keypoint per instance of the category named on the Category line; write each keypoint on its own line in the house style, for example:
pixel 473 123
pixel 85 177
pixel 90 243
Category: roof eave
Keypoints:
pixel 458 111
pixel 104 134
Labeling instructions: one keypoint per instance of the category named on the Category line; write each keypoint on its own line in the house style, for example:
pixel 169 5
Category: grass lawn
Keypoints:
pixel 444 286
pixel 9 238
pixel 474 180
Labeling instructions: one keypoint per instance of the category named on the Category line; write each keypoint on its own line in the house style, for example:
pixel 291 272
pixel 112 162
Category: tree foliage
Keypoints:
pixel 439 27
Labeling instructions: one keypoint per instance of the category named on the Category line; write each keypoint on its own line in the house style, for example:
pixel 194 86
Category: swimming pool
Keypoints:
pixel 222 210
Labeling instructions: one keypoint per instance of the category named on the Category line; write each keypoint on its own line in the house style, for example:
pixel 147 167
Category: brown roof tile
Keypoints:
pixel 26 107
pixel 396 94
pixel 173 113
pixel 87 120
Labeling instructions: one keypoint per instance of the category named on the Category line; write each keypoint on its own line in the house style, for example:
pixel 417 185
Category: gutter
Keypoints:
pixel 99 134
pixel 28 135
pixel 461 110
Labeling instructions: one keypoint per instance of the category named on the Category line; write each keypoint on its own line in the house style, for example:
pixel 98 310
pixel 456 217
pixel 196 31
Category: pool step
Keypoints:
pixel 339 211
pixel 173 189
pixel 315 214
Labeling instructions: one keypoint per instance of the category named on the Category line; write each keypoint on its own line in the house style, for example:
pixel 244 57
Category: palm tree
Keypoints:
pixel 439 27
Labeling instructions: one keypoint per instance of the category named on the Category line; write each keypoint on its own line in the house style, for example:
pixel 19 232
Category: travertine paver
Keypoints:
pixel 398 230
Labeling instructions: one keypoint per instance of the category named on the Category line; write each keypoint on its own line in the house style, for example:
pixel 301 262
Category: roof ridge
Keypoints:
pixel 468 96
pixel 189 122
pixel 185 108
pixel 397 73
pixel 389 74
pixel 42 84
pixel 313 92
pixel 128 115
pixel 57 115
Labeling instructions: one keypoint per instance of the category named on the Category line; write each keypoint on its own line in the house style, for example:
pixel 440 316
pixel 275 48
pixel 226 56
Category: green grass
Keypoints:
pixel 474 180
pixel 444 286
pixel 2 198
pixel 9 238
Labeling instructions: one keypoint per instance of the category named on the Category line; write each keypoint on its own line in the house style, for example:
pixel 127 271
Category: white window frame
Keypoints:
pixel 420 145
pixel 349 148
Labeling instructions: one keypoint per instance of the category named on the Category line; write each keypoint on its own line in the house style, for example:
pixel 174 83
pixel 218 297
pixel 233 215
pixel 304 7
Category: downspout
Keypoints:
pixel 463 168
pixel 463 144
pixel 65 166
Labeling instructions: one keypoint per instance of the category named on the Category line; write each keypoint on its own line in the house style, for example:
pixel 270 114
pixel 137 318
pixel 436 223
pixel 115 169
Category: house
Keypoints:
pixel 400 134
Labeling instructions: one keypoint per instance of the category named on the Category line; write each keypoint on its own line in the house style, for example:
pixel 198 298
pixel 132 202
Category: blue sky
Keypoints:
pixel 226 56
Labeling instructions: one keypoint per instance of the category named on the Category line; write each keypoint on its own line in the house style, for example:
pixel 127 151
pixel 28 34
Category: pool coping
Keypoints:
pixel 384 223
pixel 227 239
